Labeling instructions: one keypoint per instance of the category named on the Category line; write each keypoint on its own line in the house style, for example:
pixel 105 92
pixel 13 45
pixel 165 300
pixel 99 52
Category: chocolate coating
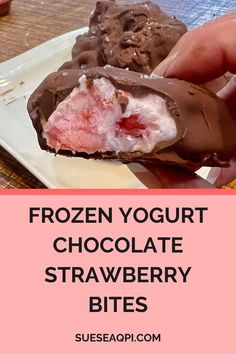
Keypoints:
pixel 206 133
pixel 137 36
pixel 85 53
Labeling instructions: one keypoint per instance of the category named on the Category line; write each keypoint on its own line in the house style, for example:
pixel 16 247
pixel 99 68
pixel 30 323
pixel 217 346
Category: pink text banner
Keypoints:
pixel 112 273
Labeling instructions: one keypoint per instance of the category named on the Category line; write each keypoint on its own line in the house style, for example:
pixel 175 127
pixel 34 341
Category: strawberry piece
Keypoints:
pixel 131 125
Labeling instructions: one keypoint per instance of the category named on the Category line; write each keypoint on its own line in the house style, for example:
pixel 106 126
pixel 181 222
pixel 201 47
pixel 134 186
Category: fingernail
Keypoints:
pixel 228 89
pixel 164 66
pixel 214 175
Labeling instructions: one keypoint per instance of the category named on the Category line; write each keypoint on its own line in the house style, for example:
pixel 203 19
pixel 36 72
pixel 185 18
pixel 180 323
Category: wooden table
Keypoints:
pixel 40 21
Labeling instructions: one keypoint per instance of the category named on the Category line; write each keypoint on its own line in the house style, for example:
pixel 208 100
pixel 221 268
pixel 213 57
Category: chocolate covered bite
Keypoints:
pixel 110 113
pixel 85 53
pixel 137 36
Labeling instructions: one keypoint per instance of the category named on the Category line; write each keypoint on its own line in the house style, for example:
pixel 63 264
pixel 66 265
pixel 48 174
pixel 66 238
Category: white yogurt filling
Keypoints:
pixel 91 119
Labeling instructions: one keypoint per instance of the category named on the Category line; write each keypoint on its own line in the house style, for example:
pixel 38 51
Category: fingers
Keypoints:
pixel 172 177
pixel 202 55
pixel 218 84
pixel 222 176
pixel 205 53
pixel 228 94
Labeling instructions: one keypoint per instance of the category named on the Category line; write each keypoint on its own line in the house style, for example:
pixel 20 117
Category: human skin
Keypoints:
pixel 202 55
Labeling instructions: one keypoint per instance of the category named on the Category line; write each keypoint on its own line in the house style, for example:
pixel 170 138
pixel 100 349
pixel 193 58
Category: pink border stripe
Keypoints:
pixel 117 191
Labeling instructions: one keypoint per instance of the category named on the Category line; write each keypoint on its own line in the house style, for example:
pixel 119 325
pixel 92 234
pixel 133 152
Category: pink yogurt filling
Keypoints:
pixel 90 119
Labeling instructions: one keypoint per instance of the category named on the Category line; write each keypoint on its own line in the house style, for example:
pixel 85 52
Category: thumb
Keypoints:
pixel 203 54
pixel 221 176
pixel 169 177
pixel 228 94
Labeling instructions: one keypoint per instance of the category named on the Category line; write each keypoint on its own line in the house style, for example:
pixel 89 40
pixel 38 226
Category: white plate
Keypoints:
pixel 18 79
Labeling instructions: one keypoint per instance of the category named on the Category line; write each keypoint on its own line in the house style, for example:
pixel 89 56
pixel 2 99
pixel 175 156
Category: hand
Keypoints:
pixel 168 177
pixel 205 54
